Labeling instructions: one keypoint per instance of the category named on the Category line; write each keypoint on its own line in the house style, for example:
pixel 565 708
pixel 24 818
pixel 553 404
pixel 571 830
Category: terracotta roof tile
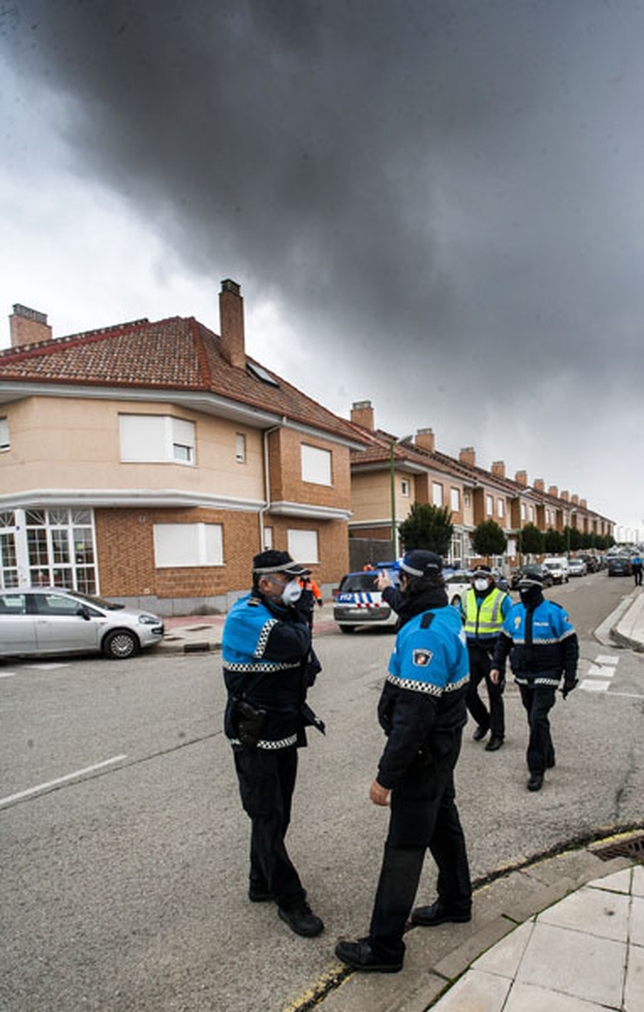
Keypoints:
pixel 173 354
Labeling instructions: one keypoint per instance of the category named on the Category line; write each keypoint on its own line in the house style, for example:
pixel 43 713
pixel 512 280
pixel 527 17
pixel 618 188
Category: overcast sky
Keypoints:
pixel 437 205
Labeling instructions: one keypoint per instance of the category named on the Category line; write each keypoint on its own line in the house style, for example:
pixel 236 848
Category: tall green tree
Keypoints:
pixel 532 540
pixel 574 539
pixel 428 527
pixel 488 539
pixel 554 542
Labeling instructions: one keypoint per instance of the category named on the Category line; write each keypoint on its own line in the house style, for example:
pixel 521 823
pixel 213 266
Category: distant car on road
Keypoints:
pixel 537 568
pixel 558 566
pixel 359 603
pixel 619 565
pixel 577 567
pixel 37 621
pixel 457 584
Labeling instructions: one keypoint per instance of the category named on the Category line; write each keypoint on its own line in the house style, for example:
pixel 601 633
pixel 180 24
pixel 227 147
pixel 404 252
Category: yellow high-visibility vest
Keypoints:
pixel 483 616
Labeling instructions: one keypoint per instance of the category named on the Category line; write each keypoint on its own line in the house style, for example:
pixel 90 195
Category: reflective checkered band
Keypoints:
pixel 536 681
pixel 282 743
pixel 262 666
pixel 427 687
pixel 539 642
pixel 263 637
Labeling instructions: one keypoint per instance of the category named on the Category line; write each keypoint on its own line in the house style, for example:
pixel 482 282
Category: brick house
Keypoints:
pixel 392 475
pixel 149 461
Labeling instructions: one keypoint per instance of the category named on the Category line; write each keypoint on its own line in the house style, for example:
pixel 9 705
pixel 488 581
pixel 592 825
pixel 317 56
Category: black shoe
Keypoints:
pixel 494 743
pixel 550 763
pixel 428 917
pixel 535 783
pixel 259 894
pixel 301 920
pixel 360 956
pixel 480 733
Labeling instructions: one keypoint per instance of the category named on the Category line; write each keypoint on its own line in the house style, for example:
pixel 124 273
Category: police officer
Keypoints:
pixel 268 666
pixel 483 611
pixel 422 712
pixel 543 646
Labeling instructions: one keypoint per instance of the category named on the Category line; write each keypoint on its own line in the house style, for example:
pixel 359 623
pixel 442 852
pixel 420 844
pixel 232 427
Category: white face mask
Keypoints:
pixel 480 585
pixel 292 592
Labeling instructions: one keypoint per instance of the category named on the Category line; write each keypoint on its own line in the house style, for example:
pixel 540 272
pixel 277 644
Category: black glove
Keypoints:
pixel 250 723
pixel 320 601
pixel 568 685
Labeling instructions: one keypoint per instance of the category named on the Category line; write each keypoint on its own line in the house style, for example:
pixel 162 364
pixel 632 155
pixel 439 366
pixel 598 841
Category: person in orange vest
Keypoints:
pixel 311 595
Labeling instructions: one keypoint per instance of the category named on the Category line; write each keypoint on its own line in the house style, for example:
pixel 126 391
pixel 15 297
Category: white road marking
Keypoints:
pixel 8 674
pixel 594 686
pixel 606 659
pixel 60 780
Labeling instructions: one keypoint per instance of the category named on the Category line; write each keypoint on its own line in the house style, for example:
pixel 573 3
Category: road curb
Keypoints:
pixel 437 957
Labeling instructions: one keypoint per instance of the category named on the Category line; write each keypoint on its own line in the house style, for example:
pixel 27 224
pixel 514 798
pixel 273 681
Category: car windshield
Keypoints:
pixel 99 602
pixel 358 582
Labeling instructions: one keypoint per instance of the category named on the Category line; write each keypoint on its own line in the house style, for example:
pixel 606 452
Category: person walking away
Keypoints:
pixel 636 567
pixel 422 711
pixel 268 666
pixel 483 611
pixel 543 647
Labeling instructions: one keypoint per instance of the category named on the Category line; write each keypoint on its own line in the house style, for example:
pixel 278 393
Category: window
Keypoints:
pixel 500 508
pixel 437 494
pixel 240 447
pixel 178 545
pixel 524 511
pixel 404 486
pixel 455 500
pixel 4 434
pixel 489 505
pixel 156 439
pixel 316 465
pixel 303 545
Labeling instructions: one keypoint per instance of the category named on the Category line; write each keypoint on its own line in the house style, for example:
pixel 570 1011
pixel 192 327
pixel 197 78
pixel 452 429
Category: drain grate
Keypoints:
pixel 631 846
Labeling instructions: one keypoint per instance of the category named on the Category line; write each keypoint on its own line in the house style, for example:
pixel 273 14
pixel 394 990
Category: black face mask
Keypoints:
pixel 531 596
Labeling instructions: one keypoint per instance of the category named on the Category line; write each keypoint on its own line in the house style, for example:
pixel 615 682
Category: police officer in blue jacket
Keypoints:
pixel 268 666
pixel 422 711
pixel 542 645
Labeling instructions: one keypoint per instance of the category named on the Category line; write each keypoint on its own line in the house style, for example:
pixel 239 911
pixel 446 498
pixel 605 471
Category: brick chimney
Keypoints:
pixel 425 439
pixel 362 414
pixel 467 455
pixel 539 485
pixel 521 477
pixel 553 491
pixel 231 322
pixel 28 326
pixel 574 499
pixel 583 503
pixel 565 495
pixel 498 468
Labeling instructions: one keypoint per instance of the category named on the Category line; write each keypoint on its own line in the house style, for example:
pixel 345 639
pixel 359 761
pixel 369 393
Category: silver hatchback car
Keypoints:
pixel 52 620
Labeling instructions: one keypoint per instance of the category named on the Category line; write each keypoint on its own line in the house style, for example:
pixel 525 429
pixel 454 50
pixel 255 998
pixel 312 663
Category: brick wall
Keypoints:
pixel 125 548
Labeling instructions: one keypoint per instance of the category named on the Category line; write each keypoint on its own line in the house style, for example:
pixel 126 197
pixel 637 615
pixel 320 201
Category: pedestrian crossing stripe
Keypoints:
pixel 599 673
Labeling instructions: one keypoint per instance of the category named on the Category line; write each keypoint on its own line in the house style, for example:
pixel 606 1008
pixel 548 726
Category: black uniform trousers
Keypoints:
pixel 266 784
pixel 637 575
pixel 423 814
pixel 538 701
pixel 480 665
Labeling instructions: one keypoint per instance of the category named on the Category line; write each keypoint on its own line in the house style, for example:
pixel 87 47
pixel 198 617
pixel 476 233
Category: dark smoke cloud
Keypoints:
pixel 454 185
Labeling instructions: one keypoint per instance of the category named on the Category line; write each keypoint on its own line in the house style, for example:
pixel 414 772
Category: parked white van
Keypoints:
pixel 558 566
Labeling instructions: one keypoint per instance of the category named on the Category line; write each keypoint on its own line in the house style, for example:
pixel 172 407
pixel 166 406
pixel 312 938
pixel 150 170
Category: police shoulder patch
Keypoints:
pixel 422 658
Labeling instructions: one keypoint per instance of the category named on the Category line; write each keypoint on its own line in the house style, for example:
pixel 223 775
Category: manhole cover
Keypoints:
pixel 629 846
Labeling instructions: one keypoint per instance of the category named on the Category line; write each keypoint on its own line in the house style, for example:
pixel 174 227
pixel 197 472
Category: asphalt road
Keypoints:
pixel 124 886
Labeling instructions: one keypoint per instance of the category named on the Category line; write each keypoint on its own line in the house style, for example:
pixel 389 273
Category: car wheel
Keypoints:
pixel 346 628
pixel 120 644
